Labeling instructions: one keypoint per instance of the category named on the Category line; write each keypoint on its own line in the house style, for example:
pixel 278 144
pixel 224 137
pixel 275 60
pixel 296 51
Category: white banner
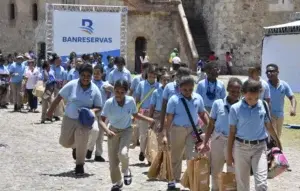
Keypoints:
pixel 283 50
pixel 86 32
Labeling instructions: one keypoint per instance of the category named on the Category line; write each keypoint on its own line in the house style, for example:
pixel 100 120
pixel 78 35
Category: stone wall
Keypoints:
pixel 238 25
pixel 157 28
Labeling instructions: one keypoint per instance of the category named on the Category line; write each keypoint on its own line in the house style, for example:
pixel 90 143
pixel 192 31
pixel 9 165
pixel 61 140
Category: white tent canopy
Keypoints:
pixel 281 46
pixel 287 28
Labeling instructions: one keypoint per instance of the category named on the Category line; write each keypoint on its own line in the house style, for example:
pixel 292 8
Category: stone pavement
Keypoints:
pixel 31 159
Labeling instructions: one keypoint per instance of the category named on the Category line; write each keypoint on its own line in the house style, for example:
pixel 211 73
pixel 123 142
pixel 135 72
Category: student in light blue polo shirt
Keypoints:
pixel 17 72
pixel 137 79
pixel 254 74
pixel 218 129
pixel 97 139
pixel 279 89
pixel 143 94
pixel 120 73
pixel 60 77
pixel 179 124
pixel 81 93
pixel 73 74
pixel 110 67
pixel 171 89
pixel 119 110
pixel 249 129
pixel 211 88
pixel 4 83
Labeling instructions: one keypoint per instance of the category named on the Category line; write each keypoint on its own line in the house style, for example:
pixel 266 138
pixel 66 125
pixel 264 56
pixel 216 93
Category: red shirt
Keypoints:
pixel 212 57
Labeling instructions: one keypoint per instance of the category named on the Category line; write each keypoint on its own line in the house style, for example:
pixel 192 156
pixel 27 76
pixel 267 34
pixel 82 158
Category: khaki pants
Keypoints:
pixel 60 107
pixel 181 140
pixel 277 124
pixel 118 148
pixel 218 156
pixel 156 116
pixel 45 106
pixel 73 134
pixel 247 156
pixel 96 138
pixel 16 90
pixel 143 133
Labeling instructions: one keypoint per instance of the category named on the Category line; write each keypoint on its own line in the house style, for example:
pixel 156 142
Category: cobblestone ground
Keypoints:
pixel 32 160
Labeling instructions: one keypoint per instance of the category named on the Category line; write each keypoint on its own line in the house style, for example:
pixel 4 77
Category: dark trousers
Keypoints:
pixel 229 70
pixel 32 100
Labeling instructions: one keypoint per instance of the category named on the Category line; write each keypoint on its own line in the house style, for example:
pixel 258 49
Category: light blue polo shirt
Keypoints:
pixel 77 98
pixel 157 98
pixel 119 75
pixel 119 117
pixel 17 68
pixel 176 107
pixel 99 84
pixel 73 74
pixel 220 113
pixel 217 87
pixel 277 97
pixel 135 82
pixel 171 89
pixel 59 73
pixel 265 94
pixel 108 70
pixel 249 121
pixel 142 90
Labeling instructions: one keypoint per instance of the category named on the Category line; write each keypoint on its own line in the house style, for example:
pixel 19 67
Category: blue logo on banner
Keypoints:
pixel 86 26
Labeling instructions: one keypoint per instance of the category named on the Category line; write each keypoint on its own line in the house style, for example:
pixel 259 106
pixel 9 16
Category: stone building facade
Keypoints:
pixel 161 25
pixel 238 25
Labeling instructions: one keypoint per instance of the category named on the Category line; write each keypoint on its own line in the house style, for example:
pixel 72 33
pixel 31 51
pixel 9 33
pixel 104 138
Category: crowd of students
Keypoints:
pixel 98 99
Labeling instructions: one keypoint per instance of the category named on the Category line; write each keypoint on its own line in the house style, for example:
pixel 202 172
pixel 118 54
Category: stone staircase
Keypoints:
pixel 200 37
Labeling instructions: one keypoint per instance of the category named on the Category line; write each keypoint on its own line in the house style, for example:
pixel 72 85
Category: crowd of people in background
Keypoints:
pixel 94 98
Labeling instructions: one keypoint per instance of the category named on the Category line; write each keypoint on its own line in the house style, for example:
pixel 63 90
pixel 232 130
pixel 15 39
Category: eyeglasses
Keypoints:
pixel 271 71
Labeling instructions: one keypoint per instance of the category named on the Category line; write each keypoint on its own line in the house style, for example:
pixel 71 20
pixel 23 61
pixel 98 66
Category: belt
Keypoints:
pixel 255 142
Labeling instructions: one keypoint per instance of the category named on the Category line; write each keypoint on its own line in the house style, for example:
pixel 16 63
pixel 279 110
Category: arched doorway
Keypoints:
pixel 140 46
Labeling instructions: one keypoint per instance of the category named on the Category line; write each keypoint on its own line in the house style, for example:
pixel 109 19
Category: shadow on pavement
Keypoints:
pixel 69 174
pixel 139 165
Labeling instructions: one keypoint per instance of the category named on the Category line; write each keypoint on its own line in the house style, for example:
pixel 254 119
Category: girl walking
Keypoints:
pixel 32 76
pixel 249 129
pixel 143 97
pixel 180 126
pixel 119 110
pixel 218 129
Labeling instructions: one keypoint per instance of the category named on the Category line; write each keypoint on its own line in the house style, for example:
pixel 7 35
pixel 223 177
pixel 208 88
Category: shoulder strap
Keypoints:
pixel 267 110
pixel 145 98
pixel 191 120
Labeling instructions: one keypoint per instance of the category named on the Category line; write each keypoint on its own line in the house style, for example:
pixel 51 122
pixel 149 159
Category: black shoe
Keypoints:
pixel 56 118
pixel 89 154
pixel 99 159
pixel 74 154
pixel 3 107
pixel 48 119
pixel 79 170
pixel 43 122
pixel 171 186
pixel 128 179
pixel 142 157
pixel 117 187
